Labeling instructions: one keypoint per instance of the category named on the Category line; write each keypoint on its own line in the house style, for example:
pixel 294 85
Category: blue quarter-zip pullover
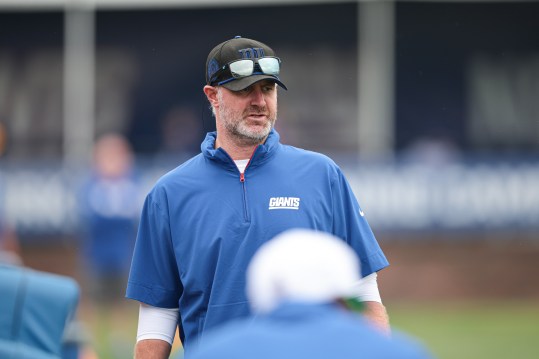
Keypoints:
pixel 203 221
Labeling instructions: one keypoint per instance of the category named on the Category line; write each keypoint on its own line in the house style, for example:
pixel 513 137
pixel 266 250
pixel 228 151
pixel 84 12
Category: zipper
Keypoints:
pixel 244 189
pixel 244 197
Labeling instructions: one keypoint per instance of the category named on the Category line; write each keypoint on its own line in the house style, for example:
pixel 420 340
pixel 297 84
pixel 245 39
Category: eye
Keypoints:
pixel 269 88
pixel 245 91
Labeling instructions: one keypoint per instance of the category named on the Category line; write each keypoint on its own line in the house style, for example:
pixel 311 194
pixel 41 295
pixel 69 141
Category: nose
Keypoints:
pixel 257 96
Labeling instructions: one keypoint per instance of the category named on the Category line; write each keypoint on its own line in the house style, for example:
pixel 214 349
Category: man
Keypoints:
pixel 301 288
pixel 203 221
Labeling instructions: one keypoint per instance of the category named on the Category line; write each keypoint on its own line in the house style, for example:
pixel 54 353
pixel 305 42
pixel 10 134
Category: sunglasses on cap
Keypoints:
pixel 246 67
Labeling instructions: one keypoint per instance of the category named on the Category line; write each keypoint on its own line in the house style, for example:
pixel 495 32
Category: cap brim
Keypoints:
pixel 244 82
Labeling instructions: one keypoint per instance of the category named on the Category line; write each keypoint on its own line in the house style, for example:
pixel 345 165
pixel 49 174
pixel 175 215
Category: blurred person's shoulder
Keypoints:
pixel 408 346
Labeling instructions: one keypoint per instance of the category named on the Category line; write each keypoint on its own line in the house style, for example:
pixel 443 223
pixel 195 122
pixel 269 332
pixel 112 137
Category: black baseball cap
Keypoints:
pixel 238 48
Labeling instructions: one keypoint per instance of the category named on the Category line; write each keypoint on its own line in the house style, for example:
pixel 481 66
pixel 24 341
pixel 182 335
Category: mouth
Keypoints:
pixel 257 116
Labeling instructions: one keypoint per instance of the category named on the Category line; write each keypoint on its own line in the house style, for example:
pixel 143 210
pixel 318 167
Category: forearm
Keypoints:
pixel 367 292
pixel 152 349
pixel 377 314
pixel 155 334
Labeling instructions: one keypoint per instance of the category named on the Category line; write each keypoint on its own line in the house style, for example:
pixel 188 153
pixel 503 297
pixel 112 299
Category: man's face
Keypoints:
pixel 248 115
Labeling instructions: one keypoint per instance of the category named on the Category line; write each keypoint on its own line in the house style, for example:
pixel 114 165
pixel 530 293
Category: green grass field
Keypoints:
pixel 478 330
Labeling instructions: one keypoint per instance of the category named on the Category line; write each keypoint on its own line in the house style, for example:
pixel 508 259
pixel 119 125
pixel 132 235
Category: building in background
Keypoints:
pixel 464 90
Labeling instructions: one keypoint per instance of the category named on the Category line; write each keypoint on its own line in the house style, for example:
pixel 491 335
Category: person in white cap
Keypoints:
pixel 301 289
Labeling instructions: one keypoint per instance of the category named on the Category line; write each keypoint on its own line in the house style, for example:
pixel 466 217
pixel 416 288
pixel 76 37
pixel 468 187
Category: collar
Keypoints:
pixel 262 152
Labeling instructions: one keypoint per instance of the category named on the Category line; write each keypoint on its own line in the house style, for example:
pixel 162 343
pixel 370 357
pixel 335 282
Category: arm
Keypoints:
pixel 367 291
pixel 153 269
pixel 350 223
pixel 152 349
pixel 156 329
pixel 377 314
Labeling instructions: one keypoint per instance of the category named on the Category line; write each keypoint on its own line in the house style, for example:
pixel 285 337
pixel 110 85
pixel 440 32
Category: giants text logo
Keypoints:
pixel 284 203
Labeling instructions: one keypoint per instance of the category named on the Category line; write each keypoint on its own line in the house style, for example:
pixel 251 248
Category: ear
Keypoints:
pixel 211 95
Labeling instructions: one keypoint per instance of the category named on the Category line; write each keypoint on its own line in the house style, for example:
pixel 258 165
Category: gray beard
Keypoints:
pixel 240 132
pixel 246 137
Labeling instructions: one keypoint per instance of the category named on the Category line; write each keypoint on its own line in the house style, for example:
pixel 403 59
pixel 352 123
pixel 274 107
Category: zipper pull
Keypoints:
pixel 242 177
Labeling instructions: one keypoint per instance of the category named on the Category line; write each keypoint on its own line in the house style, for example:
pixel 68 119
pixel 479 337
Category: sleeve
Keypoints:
pixel 154 278
pixel 366 290
pixel 157 323
pixel 349 223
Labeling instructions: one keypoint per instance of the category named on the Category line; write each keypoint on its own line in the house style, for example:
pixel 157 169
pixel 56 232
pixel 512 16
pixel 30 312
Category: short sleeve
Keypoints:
pixel 154 278
pixel 349 223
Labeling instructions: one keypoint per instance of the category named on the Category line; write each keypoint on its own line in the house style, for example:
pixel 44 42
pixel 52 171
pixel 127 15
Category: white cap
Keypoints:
pixel 301 265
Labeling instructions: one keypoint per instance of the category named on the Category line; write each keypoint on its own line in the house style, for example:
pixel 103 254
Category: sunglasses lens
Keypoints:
pixel 241 68
pixel 269 65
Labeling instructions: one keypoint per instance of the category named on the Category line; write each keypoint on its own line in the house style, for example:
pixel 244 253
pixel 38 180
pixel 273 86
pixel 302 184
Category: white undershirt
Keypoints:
pixel 161 323
pixel 241 164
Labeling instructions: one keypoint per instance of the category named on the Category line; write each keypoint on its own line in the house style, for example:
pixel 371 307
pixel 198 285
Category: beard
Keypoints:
pixel 237 126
